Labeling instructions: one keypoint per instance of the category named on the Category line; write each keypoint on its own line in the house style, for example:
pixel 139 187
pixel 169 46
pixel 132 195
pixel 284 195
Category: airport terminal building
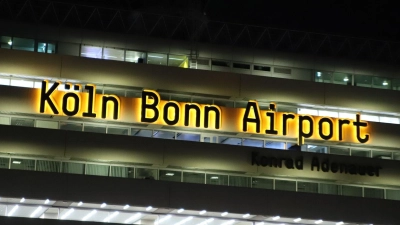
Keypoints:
pixel 99 126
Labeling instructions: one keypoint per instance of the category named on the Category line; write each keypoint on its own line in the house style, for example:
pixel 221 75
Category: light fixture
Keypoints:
pixel 169 174
pixel 180 210
pixel 318 221
pixel 155 56
pixel 149 208
pixel 206 221
pixel 318 74
pixel 133 218
pixel 13 210
pixel 22 200
pixel 108 218
pixel 346 79
pixel 47 201
pixel 224 213
pixel 80 203
pixel 297 220
pixel 175 59
pixel 36 211
pixel 103 205
pixel 127 206
pixel 202 212
pixel 214 178
pixel 246 215
pixel 184 220
pixel 89 215
pixel 228 222
pixel 260 223
pixel 9 42
pixel 16 162
pixel 167 217
pixel 276 218
pixel 340 223
pixel 385 83
pixel 67 213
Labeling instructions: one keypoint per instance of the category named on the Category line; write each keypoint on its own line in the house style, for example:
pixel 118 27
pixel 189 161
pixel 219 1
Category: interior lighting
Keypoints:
pixel 176 59
pixel 103 205
pixel 346 79
pixel 246 215
pixel 47 201
pixel 163 219
pixel 228 222
pixel 340 223
pixel 133 218
pixel 67 213
pixel 224 213
pixel 169 174
pixel 89 215
pixel 318 221
pixel 180 210
pixel 127 206
pixel 16 162
pixel 297 220
pixel 149 208
pixel 108 218
pixel 385 83
pixel 206 221
pixel 184 220
pixel 13 210
pixel 202 212
pixel 276 218
pixel 318 74
pixel 36 211
pixel 80 203
pixel 9 42
pixel 260 223
pixel 22 200
pixel 214 178
pixel 155 56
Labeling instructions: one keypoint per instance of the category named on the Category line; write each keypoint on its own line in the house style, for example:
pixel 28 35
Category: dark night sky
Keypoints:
pixel 369 18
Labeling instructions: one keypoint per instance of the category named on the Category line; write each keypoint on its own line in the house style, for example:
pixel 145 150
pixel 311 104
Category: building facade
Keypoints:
pixel 99 126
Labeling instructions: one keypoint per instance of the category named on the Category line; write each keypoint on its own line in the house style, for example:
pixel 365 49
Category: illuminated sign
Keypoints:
pixel 79 101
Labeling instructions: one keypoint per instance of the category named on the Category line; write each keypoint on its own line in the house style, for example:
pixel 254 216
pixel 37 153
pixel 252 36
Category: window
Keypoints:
pixel 307 187
pixel 374 193
pixel 229 140
pixel 360 153
pixel 381 82
pixel 157 59
pixel 91 52
pixel 4 163
pixel 48 166
pixel 393 194
pixel 71 126
pixel 315 148
pixel 262 68
pixel 170 175
pixel 312 112
pixel 147 174
pixel 135 57
pixel 5 42
pixel 362 81
pixel 21 83
pixel 352 191
pixel 97 170
pixel 381 155
pixel 190 177
pixel 339 151
pixel 263 183
pixel 178 61
pixel 113 54
pixel 94 129
pixel 75 168
pixel 285 185
pixel 323 77
pixel 241 66
pixel 331 189
pixel 392 120
pixel 47 124
pixel 275 145
pixel 117 131
pixel 342 78
pixel 141 133
pixel 16 121
pixel 188 137
pixel 23 44
pixel 46 47
pixel 253 143
pixel 237 181
pixel 217 179
pixel 120 171
pixel 164 134
pixel 23 164
pixel 220 63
